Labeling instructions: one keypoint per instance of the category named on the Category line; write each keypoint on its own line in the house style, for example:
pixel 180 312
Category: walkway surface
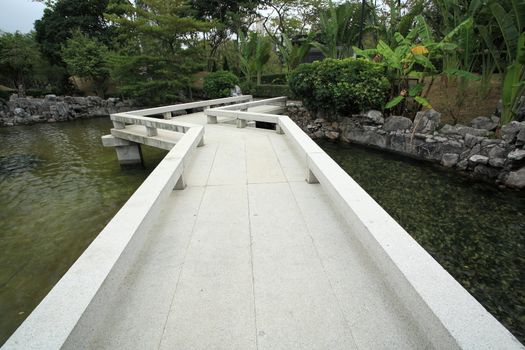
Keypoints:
pixel 250 256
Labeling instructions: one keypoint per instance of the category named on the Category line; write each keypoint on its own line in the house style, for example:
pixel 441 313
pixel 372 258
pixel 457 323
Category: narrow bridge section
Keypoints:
pixel 246 254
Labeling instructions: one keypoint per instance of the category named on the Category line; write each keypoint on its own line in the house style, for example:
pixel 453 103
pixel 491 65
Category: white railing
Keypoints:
pixel 240 111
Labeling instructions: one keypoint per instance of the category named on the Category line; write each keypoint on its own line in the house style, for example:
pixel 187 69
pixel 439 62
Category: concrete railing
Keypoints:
pixel 444 310
pixel 240 111
pixel 167 110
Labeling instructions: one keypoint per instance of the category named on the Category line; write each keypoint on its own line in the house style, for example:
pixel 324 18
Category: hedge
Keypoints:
pixel 340 87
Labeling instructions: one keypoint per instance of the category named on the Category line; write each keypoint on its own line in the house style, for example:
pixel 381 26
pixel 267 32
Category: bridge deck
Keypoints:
pixel 250 256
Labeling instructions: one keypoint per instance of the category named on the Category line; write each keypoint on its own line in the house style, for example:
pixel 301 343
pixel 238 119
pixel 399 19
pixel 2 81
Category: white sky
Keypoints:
pixel 19 15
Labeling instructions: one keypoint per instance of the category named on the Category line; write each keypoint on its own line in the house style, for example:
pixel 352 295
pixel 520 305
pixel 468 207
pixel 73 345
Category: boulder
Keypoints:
pixel 449 159
pixel 520 137
pixel 478 159
pixel 516 179
pixel 448 129
pixel 397 123
pixel 427 121
pixel 517 154
pixel 483 123
pixel 497 162
pixel 510 131
pixel 375 117
pixel 471 140
pixel 332 135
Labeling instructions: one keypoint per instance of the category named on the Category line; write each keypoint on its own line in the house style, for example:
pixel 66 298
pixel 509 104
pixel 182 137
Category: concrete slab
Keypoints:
pixel 213 303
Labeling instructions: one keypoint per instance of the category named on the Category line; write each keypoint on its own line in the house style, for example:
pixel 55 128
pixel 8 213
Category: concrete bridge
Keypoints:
pixel 246 254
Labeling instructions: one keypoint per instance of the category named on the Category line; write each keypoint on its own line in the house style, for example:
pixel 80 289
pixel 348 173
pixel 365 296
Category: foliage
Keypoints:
pixel 410 62
pixel 271 90
pixel 248 87
pixel 514 84
pixel 159 49
pixel 278 79
pixel 19 57
pixel 219 84
pixel 254 53
pixel 511 23
pixel 86 58
pixel 339 29
pixel 62 17
pixel 340 86
pixel 227 16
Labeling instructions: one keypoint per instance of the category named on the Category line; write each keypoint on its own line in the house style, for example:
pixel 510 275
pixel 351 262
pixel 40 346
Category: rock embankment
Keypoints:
pixel 471 149
pixel 24 111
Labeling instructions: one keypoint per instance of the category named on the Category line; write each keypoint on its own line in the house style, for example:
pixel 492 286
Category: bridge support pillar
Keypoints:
pixel 129 156
pixel 241 123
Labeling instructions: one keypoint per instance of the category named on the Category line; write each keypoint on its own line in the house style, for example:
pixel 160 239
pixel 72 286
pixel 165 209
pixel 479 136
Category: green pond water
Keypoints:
pixel 474 230
pixel 59 187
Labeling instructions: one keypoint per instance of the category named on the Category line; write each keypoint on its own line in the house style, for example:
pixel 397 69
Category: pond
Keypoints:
pixel 474 230
pixel 58 189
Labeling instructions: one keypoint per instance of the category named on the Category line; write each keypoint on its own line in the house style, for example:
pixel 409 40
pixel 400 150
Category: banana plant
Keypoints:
pixel 511 23
pixel 292 54
pixel 514 84
pixel 412 60
pixel 254 53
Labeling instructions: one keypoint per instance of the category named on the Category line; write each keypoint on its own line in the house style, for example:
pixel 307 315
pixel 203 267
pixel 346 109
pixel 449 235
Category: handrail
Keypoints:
pixel 269 101
pixel 183 106
pixel 120 119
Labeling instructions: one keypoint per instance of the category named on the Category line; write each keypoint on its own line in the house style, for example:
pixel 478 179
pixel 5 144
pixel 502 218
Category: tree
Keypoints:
pixel 18 57
pixel 62 17
pixel 86 58
pixel 228 17
pixel 160 48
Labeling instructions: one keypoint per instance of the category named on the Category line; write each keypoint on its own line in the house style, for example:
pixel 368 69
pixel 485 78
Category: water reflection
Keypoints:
pixel 474 230
pixel 58 189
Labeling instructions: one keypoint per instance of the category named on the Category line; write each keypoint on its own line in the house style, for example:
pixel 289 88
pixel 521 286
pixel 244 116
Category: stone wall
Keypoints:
pixel 473 150
pixel 23 111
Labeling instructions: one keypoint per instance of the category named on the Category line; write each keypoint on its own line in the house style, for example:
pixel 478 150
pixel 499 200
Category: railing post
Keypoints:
pixel 167 115
pixel 119 125
pixel 212 119
pixel 151 131
pixel 181 183
pixel 241 123
pixel 310 177
pixel 278 129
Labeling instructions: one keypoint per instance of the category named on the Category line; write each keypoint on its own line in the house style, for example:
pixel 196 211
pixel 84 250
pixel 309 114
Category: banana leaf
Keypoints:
pixel 507 27
pixel 394 102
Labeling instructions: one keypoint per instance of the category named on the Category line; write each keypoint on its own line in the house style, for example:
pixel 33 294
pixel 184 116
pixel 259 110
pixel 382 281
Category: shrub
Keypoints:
pixel 340 87
pixel 219 84
pixel 275 79
pixel 248 87
pixel 271 91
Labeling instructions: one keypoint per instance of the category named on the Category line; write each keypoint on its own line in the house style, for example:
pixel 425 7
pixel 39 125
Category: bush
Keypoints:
pixel 340 87
pixel 271 91
pixel 248 87
pixel 276 79
pixel 219 84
